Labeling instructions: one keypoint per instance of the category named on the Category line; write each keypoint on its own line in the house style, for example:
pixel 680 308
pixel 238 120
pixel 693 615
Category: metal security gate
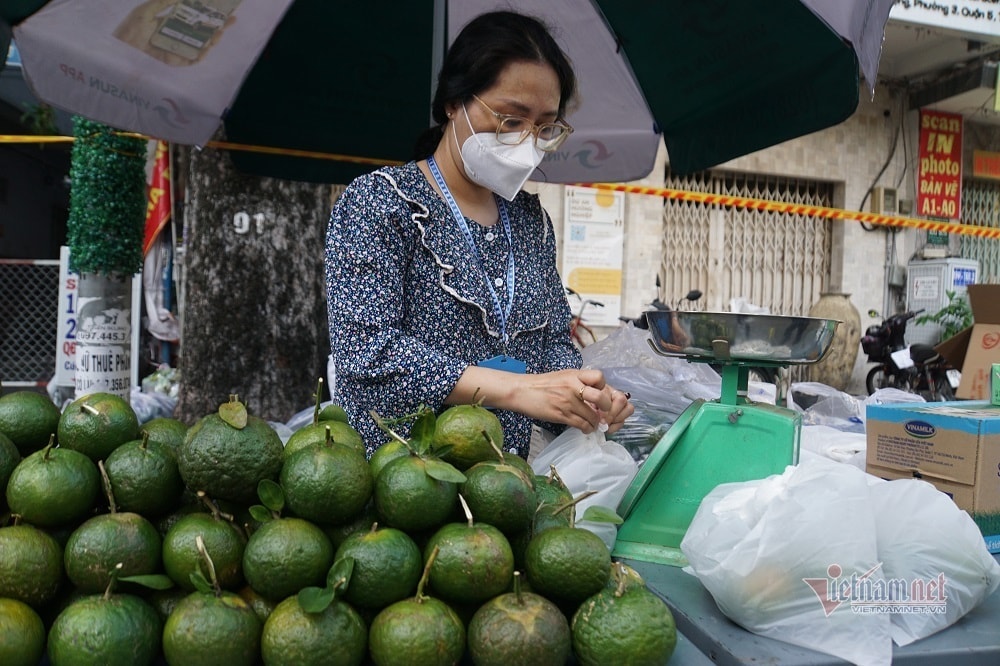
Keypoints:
pixel 981 207
pixel 773 260
pixel 29 311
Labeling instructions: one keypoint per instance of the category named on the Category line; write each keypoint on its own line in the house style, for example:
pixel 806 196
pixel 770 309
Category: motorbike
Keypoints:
pixel 916 368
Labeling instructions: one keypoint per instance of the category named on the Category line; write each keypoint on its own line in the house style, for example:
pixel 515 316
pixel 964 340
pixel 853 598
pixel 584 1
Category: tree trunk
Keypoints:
pixel 254 303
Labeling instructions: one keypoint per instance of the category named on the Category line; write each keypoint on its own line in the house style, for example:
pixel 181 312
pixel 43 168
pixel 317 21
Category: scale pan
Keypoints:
pixel 735 337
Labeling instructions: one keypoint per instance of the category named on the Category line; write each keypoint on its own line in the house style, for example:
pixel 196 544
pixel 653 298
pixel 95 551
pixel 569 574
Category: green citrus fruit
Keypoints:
pixel 165 430
pixel 22 634
pixel 387 567
pixel 386 453
pixel 97 424
pixel 522 464
pixel 285 555
pixel 118 631
pixel 333 412
pixel 567 564
pixel 227 462
pixel 31 565
pixel 223 541
pixel 53 487
pixel 421 631
pixel 473 564
pixel 408 498
pixel 144 477
pixel 9 458
pixel 29 419
pixel 261 606
pixel 209 630
pixel 315 433
pixel 328 484
pixel 624 626
pixel 336 635
pixel 99 544
pixel 468 430
pixel 519 628
pixel 164 601
pixel 361 523
pixel 499 494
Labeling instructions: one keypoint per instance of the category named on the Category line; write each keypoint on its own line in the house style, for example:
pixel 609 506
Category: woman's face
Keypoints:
pixel 526 89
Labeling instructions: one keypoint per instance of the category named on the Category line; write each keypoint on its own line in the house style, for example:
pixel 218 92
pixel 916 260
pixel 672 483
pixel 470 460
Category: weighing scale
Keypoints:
pixel 718 441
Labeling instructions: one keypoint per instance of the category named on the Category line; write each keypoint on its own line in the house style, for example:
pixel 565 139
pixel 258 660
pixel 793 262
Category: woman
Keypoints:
pixel 441 274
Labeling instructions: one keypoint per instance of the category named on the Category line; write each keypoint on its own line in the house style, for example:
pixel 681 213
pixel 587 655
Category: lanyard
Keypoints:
pixel 501 313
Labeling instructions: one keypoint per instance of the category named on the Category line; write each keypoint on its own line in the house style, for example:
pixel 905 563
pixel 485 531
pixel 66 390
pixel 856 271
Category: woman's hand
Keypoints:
pixel 577 398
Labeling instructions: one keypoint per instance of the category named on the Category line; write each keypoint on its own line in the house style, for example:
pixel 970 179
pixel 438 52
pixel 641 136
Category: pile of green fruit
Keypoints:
pixel 217 544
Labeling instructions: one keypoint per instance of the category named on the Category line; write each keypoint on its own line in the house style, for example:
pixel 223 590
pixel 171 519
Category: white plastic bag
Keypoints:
pixel 933 554
pixel 775 553
pixel 590 462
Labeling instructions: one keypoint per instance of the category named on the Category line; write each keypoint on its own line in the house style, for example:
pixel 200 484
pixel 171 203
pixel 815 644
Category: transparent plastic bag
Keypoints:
pixel 590 462
pixel 933 552
pixel 773 554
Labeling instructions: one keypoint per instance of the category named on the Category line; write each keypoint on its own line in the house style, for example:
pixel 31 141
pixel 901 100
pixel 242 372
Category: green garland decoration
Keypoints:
pixel 107 213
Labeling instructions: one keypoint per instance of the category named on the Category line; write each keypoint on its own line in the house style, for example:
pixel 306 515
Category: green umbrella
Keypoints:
pixel 717 78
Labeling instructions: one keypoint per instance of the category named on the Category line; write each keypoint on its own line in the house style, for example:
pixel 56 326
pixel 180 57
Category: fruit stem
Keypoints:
pixel 621 578
pixel 384 427
pixel 106 483
pixel 494 446
pixel 319 394
pixel 113 580
pixel 89 409
pixel 234 397
pixel 420 596
pixel 517 588
pixel 466 509
pixel 572 505
pixel 207 559
pixel 144 444
pixel 48 447
pixel 328 440
pixel 374 527
pixel 217 513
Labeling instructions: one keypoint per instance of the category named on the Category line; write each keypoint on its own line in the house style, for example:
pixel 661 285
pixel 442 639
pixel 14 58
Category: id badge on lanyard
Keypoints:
pixel 505 363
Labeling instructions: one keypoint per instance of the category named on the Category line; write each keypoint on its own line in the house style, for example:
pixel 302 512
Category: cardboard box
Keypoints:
pixel 953 445
pixel 977 348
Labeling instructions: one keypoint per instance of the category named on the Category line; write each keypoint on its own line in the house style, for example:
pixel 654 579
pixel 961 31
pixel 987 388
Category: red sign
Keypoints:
pixel 158 201
pixel 939 177
pixel 985 164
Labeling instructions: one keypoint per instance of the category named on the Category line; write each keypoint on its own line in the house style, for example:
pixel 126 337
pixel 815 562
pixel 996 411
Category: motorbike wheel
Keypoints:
pixel 942 390
pixel 877 379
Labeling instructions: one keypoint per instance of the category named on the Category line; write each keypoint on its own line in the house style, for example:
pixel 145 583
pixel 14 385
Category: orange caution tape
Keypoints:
pixel 800 209
pixel 662 192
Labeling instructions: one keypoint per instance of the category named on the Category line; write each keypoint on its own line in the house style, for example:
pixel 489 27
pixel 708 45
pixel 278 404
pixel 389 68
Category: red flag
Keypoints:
pixel 158 203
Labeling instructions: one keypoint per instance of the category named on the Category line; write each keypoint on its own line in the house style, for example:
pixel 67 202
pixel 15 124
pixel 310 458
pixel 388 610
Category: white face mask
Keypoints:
pixel 496 166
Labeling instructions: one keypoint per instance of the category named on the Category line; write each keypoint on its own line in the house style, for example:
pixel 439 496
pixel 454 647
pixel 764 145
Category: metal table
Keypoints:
pixel 972 641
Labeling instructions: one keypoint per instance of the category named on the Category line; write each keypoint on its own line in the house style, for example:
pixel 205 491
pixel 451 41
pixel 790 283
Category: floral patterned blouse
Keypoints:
pixel 410 309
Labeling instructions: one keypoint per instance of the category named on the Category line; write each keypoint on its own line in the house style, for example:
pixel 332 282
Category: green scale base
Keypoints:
pixel 710 443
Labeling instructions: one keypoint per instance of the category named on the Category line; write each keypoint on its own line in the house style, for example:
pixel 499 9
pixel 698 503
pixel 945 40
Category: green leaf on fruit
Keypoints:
pixel 261 513
pixel 339 576
pixel 600 514
pixel 201 583
pixel 152 581
pixel 234 413
pixel 271 495
pixel 422 431
pixel 442 471
pixel 315 599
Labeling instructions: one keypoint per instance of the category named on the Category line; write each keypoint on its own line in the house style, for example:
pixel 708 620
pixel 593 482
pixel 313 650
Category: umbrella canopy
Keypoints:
pixel 717 79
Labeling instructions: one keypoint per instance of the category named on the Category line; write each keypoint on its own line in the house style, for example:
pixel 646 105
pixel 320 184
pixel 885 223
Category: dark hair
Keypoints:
pixel 484 47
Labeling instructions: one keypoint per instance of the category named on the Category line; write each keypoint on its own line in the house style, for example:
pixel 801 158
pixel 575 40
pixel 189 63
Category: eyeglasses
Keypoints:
pixel 513 130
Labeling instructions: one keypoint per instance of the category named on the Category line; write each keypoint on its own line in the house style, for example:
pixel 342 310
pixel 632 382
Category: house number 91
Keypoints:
pixel 241 222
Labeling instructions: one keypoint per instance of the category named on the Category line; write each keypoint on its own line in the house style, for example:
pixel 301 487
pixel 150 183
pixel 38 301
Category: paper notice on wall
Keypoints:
pixel 593 243
pixel 103 338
